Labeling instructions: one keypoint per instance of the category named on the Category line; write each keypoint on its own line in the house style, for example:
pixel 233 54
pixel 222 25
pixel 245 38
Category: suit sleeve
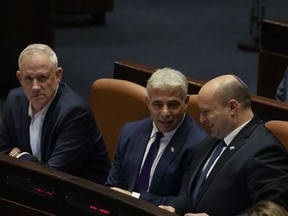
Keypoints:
pixel 281 91
pixel 156 199
pixel 268 175
pixel 75 137
pixel 72 139
pixel 167 200
pixel 6 144
pixel 114 178
pixel 180 203
pixel 185 176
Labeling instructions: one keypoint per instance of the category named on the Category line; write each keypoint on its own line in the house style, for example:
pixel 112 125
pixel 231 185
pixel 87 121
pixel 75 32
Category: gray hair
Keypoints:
pixel 39 48
pixel 167 79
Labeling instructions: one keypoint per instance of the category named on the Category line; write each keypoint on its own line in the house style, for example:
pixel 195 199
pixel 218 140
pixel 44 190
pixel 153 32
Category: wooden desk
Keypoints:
pixel 84 197
pixel 29 189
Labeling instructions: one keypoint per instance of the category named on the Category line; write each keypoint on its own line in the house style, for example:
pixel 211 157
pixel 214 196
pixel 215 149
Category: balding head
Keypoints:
pixel 225 104
pixel 227 87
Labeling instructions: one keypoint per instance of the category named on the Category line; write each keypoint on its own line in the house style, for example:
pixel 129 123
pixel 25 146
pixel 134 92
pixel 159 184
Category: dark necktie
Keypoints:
pixel 202 177
pixel 143 180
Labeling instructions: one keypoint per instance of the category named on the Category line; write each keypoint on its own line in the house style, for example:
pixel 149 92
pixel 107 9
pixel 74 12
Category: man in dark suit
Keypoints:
pixel 46 122
pixel 251 167
pixel 167 101
pixel 282 89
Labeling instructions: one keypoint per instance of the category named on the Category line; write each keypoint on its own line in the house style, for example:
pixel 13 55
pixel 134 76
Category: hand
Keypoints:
pixel 121 190
pixel 167 208
pixel 14 152
pixel 196 214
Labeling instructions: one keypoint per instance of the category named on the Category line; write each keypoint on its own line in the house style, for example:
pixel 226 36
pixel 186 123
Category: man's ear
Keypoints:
pixel 233 105
pixel 186 101
pixel 18 75
pixel 147 101
pixel 59 74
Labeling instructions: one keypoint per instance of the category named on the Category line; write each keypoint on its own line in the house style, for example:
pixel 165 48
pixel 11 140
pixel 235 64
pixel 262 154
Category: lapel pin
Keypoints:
pixel 232 147
pixel 172 149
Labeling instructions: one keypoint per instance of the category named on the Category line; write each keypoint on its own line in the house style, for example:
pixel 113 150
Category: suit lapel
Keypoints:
pixel 169 154
pixel 48 119
pixel 202 154
pixel 141 143
pixel 25 125
pixel 171 151
pixel 46 123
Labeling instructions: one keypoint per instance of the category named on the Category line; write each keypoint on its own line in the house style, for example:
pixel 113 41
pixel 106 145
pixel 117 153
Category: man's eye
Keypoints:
pixel 28 78
pixel 205 112
pixel 43 78
pixel 173 105
pixel 157 104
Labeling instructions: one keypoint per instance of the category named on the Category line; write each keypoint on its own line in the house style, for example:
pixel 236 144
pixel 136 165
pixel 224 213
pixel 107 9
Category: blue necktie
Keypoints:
pixel 202 177
pixel 143 180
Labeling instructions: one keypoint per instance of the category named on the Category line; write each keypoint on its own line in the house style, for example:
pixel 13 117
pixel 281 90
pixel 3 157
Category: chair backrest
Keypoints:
pixel 194 111
pixel 115 102
pixel 266 108
pixel 279 129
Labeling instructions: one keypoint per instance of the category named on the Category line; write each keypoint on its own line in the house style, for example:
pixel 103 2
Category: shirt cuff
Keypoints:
pixel 135 195
pixel 22 153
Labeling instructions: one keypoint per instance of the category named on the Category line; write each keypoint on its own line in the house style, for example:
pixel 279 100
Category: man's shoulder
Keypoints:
pixel 138 123
pixel 69 104
pixel 264 134
pixel 16 91
pixel 16 95
pixel 138 126
pixel 68 96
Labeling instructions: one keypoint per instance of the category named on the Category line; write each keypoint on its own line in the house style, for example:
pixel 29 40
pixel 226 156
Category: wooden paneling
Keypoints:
pixel 273 56
pixel 266 108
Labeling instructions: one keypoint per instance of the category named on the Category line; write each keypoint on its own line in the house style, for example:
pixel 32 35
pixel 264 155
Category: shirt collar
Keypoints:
pixel 228 139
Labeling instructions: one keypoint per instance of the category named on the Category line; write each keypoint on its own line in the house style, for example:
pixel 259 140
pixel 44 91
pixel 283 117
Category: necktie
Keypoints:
pixel 202 177
pixel 143 180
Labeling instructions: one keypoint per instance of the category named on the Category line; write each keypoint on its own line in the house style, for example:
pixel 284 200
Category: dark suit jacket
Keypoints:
pixel 282 89
pixel 170 175
pixel 253 167
pixel 70 142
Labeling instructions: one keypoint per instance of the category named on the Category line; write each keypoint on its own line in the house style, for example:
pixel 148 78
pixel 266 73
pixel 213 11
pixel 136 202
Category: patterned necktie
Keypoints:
pixel 143 180
pixel 203 175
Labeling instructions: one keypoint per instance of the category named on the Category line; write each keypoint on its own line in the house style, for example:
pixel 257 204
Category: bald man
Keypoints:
pixel 251 167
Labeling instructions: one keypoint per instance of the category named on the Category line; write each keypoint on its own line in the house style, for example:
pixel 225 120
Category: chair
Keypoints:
pixel 194 111
pixel 280 130
pixel 115 102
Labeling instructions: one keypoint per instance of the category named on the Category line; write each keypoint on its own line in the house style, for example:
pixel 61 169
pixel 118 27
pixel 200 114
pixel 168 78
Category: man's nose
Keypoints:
pixel 202 118
pixel 165 109
pixel 35 84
